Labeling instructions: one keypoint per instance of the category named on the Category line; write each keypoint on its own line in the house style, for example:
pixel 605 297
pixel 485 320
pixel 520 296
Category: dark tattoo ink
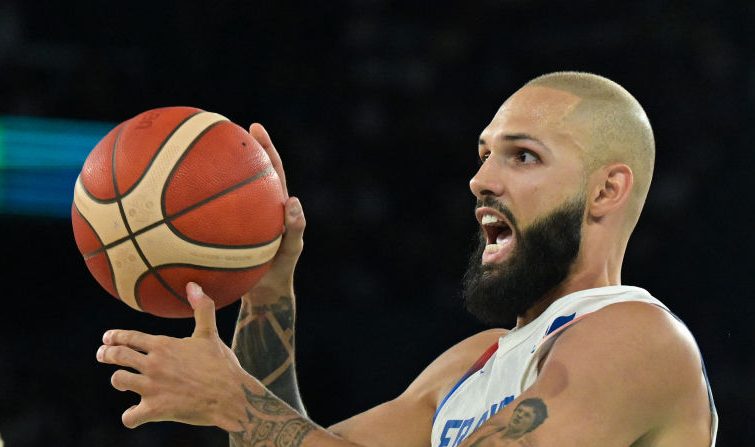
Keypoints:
pixel 269 423
pixel 528 415
pixel 264 344
pixel 266 404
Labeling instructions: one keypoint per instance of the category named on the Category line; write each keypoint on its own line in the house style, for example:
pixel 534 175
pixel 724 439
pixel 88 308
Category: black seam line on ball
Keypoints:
pixel 107 258
pixel 264 173
pixel 175 167
pixel 157 153
pixel 196 267
pixel 149 165
pixel 118 199
pixel 93 198
pixel 215 269
pixel 84 188
pixel 138 297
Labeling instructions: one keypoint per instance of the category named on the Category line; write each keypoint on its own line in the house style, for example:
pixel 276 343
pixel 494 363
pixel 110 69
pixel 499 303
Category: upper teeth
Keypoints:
pixel 489 219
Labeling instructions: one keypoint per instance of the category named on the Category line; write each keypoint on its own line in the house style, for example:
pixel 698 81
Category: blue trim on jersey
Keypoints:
pixel 450 393
pixel 707 382
pixel 476 366
pixel 560 321
pixel 713 411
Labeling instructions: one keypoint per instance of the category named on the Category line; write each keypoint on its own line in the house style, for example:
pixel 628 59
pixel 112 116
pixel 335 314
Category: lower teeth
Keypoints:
pixel 492 248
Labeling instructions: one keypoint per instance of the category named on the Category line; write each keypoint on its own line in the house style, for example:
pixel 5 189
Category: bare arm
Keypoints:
pixel 405 421
pixel 264 345
pixel 627 375
pixel 264 337
pixel 198 380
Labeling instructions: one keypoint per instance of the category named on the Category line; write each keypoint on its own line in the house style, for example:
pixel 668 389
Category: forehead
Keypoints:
pixel 541 112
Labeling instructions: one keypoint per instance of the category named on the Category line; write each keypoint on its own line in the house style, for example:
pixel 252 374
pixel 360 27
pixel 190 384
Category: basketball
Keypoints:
pixel 175 195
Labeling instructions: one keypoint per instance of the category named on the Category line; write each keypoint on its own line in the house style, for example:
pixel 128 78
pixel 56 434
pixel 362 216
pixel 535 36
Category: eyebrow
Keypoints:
pixel 518 137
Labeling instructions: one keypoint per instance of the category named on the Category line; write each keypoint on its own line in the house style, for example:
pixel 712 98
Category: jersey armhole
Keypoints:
pixel 476 366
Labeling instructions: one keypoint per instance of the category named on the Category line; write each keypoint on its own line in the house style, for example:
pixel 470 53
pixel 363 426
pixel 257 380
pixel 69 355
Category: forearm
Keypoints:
pixel 264 342
pixel 258 418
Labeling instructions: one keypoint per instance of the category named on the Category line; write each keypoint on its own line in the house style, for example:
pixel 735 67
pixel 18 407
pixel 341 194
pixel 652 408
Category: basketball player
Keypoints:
pixel 565 167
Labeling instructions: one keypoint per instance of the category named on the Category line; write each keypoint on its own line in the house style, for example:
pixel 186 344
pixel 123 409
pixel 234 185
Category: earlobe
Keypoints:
pixel 612 190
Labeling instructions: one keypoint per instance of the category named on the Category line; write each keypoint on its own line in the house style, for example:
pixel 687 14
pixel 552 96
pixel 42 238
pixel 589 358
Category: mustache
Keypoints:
pixel 491 202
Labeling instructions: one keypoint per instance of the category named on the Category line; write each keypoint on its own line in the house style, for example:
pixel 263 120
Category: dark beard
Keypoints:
pixel 497 293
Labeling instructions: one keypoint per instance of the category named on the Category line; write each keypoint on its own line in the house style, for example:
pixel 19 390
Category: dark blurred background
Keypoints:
pixel 375 106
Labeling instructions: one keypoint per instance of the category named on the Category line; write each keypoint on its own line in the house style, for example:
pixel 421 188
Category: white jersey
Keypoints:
pixel 509 367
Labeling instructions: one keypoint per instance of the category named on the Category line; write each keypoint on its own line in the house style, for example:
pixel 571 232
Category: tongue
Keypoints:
pixel 503 237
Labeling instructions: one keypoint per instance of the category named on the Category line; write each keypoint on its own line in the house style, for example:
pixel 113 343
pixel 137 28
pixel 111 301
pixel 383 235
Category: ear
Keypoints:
pixel 611 190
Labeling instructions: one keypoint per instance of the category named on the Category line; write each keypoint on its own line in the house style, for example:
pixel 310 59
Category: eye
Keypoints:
pixel 526 157
pixel 484 157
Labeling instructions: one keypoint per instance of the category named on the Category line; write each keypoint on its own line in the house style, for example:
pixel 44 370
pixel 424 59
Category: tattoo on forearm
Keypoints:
pixel 266 404
pixel 269 423
pixel 528 415
pixel 264 345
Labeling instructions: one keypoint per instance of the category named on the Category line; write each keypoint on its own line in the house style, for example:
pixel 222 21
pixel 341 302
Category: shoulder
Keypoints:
pixel 441 375
pixel 635 327
pixel 637 353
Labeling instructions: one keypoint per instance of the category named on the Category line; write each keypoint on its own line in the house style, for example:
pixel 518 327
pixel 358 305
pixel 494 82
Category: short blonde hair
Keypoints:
pixel 619 129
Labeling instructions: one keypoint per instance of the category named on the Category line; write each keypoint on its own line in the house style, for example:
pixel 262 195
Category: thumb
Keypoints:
pixel 293 242
pixel 204 311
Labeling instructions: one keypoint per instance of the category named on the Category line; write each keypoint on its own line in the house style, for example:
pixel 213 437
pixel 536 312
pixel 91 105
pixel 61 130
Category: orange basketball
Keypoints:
pixel 176 195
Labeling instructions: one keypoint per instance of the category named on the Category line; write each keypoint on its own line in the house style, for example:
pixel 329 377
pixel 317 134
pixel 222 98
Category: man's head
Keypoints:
pixel 528 415
pixel 566 165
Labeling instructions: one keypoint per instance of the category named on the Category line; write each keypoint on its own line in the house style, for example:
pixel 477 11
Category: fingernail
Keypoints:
pixel 294 209
pixel 106 337
pixel 194 289
pixel 100 353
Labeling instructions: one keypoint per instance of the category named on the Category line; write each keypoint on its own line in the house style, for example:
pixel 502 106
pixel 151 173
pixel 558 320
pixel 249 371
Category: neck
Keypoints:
pixel 583 275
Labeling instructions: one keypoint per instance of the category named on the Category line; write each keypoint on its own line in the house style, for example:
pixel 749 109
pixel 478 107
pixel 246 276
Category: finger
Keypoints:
pixel 259 133
pixel 133 339
pixel 123 380
pixel 136 415
pixel 293 240
pixel 121 355
pixel 204 310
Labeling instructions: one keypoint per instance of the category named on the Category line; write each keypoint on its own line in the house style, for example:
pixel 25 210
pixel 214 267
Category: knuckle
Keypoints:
pixel 154 367
pixel 148 364
pixel 148 386
pixel 162 340
pixel 158 345
pixel 114 354
pixel 118 337
pixel 107 354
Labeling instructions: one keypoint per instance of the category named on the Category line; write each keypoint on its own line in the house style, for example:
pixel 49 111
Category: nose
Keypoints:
pixel 487 180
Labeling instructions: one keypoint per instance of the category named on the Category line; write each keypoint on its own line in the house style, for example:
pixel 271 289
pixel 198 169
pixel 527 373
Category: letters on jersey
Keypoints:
pixel 509 367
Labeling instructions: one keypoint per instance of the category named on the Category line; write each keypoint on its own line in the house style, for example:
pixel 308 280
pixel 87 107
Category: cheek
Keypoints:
pixel 534 201
pixel 541 194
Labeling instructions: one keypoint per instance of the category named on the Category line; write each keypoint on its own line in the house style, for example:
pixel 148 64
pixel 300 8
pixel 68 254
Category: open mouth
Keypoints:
pixel 496 230
pixel 499 235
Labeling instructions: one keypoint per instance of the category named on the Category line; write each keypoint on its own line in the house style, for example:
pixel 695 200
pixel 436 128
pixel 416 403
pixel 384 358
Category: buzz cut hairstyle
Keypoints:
pixel 618 126
pixel 541 412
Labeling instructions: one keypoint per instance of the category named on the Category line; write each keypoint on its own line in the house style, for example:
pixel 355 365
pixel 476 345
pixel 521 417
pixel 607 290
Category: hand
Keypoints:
pixel 194 380
pixel 279 280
